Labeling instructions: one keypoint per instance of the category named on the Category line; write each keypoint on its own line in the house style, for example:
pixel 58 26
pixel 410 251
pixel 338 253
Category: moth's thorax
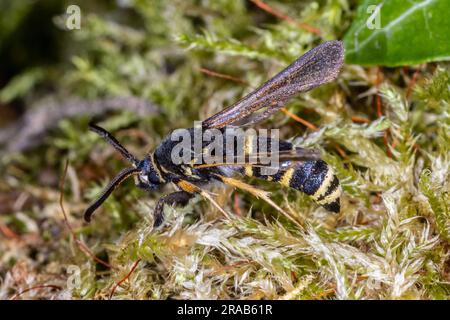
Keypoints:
pixel 150 175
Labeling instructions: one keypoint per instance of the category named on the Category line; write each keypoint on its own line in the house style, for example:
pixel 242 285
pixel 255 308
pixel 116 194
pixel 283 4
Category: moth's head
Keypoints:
pixel 149 176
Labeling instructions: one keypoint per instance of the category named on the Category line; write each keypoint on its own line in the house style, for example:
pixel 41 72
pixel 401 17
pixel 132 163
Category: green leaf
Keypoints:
pixel 409 32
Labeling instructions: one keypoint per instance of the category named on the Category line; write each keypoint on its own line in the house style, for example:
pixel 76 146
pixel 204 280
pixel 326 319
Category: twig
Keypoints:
pixel 8 232
pixel 237 209
pixel 223 76
pixel 14 297
pixel 341 151
pixel 83 247
pixel 124 278
pixel 360 119
pixel 264 6
pixel 324 294
pixel 298 119
pixel 46 113
pixel 394 142
pixel 412 82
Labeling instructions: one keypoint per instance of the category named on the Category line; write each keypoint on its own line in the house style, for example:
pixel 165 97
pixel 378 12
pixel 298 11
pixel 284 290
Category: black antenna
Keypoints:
pixel 113 141
pixel 118 179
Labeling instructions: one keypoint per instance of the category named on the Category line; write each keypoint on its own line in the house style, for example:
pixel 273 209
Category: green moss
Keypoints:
pixel 390 240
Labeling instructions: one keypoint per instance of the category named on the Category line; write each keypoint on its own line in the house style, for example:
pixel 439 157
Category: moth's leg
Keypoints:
pixel 257 193
pixel 143 186
pixel 191 188
pixel 235 183
pixel 180 198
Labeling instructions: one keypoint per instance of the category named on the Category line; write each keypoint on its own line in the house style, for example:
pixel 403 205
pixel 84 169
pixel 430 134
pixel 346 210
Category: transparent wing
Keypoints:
pixel 294 155
pixel 316 67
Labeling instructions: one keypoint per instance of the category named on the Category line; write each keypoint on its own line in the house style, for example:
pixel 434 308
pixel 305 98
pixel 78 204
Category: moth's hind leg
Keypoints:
pixel 180 198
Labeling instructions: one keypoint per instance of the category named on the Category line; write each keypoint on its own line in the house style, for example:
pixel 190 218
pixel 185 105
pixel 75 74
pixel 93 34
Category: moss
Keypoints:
pixel 390 240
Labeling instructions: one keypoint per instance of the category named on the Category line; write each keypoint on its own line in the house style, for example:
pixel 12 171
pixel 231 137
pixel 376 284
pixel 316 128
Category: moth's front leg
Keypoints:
pixel 180 198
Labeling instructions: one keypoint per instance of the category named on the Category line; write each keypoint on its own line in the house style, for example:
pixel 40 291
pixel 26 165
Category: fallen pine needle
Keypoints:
pixel 51 286
pixel 83 247
pixel 124 278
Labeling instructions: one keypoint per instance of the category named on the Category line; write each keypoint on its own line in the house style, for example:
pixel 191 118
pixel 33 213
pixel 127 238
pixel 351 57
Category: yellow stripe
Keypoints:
pixel 325 184
pixel 188 187
pixel 248 170
pixel 331 197
pixel 287 176
pixel 158 173
pixel 164 169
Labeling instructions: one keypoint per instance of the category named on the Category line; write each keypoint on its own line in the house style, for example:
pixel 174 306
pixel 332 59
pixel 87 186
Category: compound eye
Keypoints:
pixel 153 178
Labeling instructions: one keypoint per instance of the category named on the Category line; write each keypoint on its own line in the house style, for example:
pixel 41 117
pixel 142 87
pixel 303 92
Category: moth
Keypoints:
pixel 298 168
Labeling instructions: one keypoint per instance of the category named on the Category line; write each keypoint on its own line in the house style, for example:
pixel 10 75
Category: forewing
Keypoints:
pixel 316 67
pixel 295 155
